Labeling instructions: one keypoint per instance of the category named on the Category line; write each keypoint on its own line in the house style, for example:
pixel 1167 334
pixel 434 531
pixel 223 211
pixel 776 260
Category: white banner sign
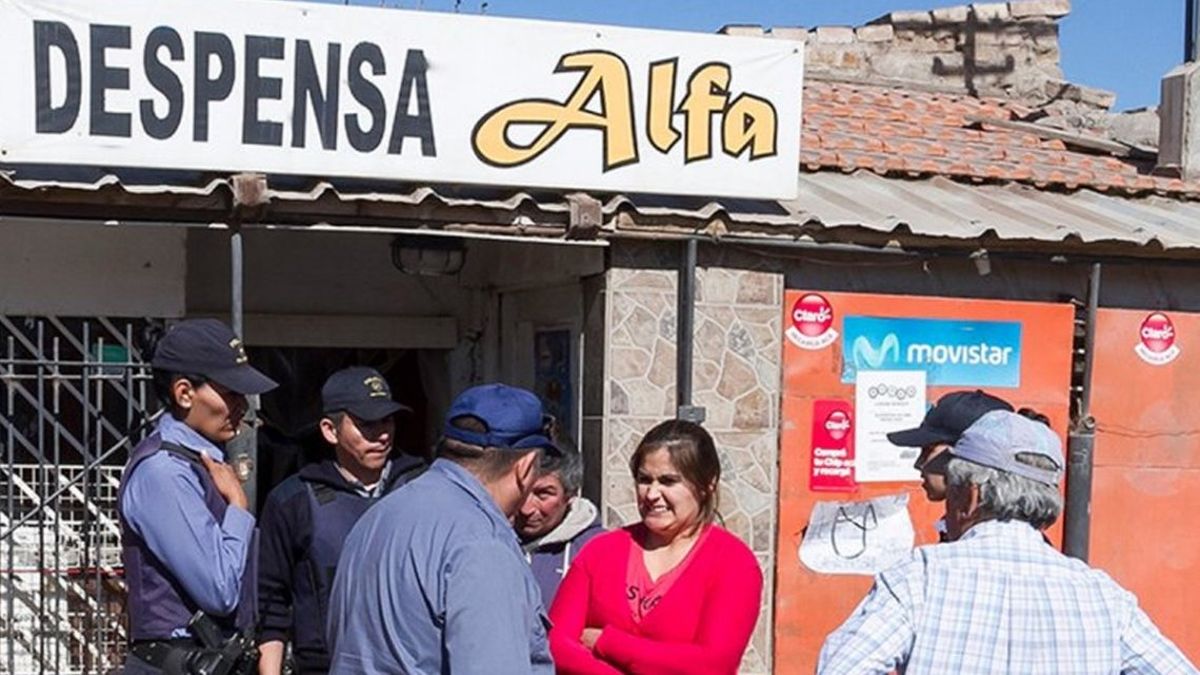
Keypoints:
pixel 886 401
pixel 328 90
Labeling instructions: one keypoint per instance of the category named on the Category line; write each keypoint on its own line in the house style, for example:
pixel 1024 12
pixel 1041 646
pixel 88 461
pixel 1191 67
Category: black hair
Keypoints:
pixel 1030 413
pixel 568 465
pixel 164 382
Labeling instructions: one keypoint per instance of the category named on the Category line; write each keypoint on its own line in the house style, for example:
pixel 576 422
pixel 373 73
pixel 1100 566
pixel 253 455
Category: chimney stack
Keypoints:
pixel 1179 110
pixel 1177 121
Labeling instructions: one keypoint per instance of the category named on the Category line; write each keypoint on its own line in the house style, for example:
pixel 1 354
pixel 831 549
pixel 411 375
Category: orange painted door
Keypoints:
pixel 1146 485
pixel 808 605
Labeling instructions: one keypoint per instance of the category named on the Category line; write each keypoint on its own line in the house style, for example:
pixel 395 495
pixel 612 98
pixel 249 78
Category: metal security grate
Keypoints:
pixel 75 396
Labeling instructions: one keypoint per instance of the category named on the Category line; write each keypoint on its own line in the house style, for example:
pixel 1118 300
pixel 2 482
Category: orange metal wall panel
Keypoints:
pixel 809 605
pixel 1146 486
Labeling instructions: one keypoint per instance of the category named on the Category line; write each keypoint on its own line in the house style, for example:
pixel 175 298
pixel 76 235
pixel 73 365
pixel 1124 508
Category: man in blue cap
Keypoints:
pixel 307 517
pixel 997 599
pixel 432 579
pixel 187 536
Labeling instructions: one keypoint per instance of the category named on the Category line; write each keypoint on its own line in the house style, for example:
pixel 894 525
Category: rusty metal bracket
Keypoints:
pixel 250 197
pixel 586 216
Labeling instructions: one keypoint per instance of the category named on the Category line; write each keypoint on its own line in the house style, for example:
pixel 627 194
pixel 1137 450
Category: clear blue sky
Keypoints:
pixel 1124 46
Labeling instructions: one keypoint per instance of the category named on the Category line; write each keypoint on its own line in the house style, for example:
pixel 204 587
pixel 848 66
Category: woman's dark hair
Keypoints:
pixel 694 455
pixel 164 380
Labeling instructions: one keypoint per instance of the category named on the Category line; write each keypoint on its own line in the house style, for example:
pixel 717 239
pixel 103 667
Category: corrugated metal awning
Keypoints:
pixel 941 208
pixel 858 208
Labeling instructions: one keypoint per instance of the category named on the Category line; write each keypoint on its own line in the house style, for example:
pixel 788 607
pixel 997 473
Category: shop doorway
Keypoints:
pixel 542 349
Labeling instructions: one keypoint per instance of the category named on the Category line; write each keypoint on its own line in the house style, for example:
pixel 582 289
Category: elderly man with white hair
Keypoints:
pixel 998 599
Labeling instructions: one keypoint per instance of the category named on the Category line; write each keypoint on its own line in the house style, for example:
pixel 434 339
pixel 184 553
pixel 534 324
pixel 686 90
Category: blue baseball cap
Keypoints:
pixel 513 416
pixel 210 348
pixel 996 439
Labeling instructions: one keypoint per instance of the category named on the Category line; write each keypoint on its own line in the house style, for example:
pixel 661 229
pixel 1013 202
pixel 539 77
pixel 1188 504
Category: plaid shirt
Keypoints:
pixel 999 600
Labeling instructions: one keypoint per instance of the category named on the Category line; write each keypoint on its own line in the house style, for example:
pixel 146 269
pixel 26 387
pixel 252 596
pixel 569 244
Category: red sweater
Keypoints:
pixel 701 626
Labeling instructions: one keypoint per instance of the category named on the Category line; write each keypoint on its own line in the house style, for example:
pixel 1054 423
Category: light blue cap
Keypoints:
pixel 996 439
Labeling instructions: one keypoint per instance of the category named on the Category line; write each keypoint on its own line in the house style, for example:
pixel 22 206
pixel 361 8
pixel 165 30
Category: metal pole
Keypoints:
pixel 10 549
pixel 236 263
pixel 1081 442
pixel 243 450
pixel 95 482
pixel 685 335
pixel 43 479
pixel 1191 28
pixel 56 399
pixel 85 386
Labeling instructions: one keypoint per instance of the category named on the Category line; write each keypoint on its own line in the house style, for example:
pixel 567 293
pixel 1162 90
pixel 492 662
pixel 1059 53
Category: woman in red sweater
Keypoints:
pixel 672 594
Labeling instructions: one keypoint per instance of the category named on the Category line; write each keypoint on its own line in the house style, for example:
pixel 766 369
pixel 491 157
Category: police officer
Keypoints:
pixel 187 535
pixel 432 579
pixel 307 517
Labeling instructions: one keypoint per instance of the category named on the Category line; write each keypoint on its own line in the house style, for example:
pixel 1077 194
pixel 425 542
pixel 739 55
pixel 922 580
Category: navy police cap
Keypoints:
pixel 946 421
pixel 208 347
pixel 360 391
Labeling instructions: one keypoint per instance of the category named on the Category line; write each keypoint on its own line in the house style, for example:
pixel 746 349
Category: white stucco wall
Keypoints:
pixel 90 269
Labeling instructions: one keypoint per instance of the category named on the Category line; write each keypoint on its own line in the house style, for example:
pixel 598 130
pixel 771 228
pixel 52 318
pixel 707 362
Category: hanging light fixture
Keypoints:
pixel 428 256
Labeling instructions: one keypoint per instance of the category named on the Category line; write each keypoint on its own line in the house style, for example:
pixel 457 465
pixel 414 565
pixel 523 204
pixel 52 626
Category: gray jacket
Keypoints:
pixel 550 556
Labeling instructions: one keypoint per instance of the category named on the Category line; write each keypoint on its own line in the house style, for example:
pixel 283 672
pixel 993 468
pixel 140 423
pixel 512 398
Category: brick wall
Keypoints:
pixel 1010 50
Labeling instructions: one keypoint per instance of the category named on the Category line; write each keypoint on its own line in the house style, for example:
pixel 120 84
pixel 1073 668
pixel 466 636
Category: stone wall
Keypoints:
pixel 736 378
pixel 1008 50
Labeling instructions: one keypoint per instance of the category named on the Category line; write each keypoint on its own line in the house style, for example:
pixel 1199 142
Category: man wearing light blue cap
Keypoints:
pixel 999 600
pixel 432 579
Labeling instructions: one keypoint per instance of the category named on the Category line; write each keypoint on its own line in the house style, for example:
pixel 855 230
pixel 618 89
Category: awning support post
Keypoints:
pixel 685 335
pixel 1081 441
pixel 249 199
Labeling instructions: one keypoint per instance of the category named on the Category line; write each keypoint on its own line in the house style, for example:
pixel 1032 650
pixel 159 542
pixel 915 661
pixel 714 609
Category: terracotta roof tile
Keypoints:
pixel 828 159
pixel 997 171
pixel 886 130
pixel 1114 165
pixel 1022 173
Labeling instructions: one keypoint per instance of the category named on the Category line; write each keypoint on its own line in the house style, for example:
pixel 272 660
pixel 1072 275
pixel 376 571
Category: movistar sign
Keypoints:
pixel 952 353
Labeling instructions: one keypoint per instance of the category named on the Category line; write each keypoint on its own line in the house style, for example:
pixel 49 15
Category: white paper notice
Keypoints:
pixel 886 401
pixel 857 537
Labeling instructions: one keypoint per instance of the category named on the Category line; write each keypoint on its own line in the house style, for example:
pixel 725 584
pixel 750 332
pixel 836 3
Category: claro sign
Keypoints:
pixel 329 90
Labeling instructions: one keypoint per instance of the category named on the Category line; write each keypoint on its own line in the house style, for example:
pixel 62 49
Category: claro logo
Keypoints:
pixel 1157 340
pixel 812 322
pixel 837 425
pixel 748 124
